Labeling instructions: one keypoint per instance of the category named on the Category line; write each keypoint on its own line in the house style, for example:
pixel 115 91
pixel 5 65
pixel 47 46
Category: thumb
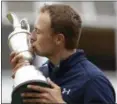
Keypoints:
pixel 53 85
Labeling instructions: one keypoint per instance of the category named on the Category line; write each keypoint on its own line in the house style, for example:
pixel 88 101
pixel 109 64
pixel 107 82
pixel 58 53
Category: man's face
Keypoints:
pixel 43 42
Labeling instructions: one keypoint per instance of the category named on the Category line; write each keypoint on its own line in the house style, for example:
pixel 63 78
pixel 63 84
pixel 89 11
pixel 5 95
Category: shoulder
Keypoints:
pixel 89 69
pixel 86 72
pixel 99 89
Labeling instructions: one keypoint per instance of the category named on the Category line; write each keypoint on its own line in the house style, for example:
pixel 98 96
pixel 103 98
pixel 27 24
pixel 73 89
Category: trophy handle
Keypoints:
pixel 24 24
pixel 13 20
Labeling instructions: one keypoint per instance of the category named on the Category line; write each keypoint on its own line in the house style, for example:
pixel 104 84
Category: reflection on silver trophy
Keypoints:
pixel 19 41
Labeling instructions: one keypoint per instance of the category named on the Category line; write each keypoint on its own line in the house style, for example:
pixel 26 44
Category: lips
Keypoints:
pixel 31 41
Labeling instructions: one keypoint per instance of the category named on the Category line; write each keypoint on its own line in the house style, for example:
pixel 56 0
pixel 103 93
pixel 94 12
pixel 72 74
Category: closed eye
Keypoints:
pixel 36 30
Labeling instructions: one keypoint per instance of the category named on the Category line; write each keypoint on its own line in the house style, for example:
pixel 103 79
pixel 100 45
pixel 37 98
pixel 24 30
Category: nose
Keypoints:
pixel 33 36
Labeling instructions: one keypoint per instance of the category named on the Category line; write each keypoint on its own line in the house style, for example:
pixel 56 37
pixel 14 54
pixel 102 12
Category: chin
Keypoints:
pixel 40 53
pixel 44 54
pixel 37 52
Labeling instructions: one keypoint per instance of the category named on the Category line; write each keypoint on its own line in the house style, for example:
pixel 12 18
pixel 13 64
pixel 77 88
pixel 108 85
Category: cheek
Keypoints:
pixel 39 41
pixel 43 42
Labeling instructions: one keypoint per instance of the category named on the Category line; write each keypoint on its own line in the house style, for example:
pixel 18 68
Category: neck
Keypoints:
pixel 61 55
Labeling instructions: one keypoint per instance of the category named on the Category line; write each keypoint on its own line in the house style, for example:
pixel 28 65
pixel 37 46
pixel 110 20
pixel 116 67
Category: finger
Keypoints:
pixel 53 85
pixel 12 55
pixel 16 59
pixel 35 101
pixel 35 95
pixel 39 88
pixel 19 65
pixel 30 94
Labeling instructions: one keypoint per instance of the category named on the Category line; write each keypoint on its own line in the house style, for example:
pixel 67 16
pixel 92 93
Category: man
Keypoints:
pixel 73 78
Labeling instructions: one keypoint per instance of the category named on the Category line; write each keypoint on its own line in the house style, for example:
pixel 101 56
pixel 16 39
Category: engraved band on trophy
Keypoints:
pixel 19 41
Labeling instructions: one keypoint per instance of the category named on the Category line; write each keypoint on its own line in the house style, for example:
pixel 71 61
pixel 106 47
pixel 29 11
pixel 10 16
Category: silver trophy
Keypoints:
pixel 19 41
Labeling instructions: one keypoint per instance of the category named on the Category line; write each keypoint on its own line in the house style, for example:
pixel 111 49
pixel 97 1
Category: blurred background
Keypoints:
pixel 99 36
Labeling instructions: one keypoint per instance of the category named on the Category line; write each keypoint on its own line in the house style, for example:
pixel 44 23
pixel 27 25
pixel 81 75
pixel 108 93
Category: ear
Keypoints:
pixel 60 38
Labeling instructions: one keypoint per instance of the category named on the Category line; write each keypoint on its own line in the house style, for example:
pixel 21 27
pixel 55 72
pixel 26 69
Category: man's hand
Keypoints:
pixel 16 62
pixel 46 95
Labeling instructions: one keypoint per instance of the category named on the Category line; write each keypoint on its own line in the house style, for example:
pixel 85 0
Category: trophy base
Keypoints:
pixel 21 88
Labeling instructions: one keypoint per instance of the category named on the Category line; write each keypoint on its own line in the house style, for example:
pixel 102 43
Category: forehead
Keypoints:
pixel 43 20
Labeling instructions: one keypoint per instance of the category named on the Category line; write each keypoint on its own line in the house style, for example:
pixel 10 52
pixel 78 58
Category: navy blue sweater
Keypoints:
pixel 81 81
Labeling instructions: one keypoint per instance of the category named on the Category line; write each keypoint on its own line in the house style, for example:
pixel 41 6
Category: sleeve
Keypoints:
pixel 99 91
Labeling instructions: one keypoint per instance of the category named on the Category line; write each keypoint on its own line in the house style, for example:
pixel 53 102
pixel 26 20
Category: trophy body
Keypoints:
pixel 19 41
